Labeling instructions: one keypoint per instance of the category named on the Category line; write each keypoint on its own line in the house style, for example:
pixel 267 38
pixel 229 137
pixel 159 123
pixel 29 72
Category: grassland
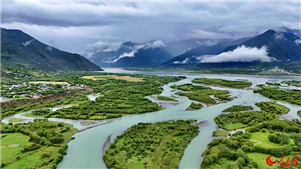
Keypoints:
pixel 218 133
pixel 151 145
pixel 105 77
pixel 38 144
pixel 16 120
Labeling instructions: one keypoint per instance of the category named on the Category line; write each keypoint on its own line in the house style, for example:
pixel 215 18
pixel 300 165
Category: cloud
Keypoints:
pixel 89 21
pixel 101 46
pixel 28 42
pixel 157 44
pixel 240 54
pixel 125 54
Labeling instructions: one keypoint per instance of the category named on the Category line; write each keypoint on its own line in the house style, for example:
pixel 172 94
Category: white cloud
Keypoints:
pixel 101 46
pixel 28 42
pixel 158 44
pixel 240 54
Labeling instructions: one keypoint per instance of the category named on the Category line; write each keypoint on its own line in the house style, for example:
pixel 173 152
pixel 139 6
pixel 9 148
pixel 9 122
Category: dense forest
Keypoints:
pixel 272 107
pixel 37 144
pixel 223 82
pixel 292 83
pixel 202 94
pixel 151 145
pixel 235 108
pixel 291 96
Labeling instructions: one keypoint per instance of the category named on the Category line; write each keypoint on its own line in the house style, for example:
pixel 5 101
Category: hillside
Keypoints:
pixel 144 57
pixel 284 46
pixel 190 57
pixel 20 48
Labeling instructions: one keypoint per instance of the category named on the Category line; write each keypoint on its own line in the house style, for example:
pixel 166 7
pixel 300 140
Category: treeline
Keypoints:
pixel 272 107
pixel 202 94
pixel 195 106
pixel 292 83
pixel 291 96
pixel 151 145
pixel 166 98
pixel 223 82
pixel 236 108
pixel 248 118
pixel 273 84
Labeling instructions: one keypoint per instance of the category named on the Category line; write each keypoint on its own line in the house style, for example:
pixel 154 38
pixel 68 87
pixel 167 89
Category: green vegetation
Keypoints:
pixel 276 138
pixel 151 145
pixel 195 106
pixel 299 113
pixel 223 82
pixel 37 144
pixel 265 135
pixel 291 96
pixel 15 120
pixel 273 84
pixel 166 98
pixel 292 83
pixel 272 107
pixel 236 120
pixel 202 94
pixel 68 100
pixel 218 133
pixel 236 108
pixel 124 94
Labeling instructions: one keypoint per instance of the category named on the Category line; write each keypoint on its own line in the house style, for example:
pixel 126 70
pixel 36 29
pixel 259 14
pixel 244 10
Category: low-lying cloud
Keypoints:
pixel 101 46
pixel 240 54
pixel 27 42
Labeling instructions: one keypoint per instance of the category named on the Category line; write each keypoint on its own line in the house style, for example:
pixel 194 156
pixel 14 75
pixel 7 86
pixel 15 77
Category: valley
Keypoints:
pixel 171 87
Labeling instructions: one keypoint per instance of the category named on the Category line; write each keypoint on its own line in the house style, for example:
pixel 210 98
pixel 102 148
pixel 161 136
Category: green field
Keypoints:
pixel 16 120
pixel 39 144
pixel 218 133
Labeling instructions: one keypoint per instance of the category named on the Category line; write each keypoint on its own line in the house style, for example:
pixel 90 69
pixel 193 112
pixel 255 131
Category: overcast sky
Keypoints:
pixel 75 25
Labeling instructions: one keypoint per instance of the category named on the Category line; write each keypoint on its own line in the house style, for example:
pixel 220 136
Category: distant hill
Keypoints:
pixel 129 54
pixel 6 77
pixel 282 45
pixel 18 47
pixel 190 57
pixel 144 57
pixel 179 47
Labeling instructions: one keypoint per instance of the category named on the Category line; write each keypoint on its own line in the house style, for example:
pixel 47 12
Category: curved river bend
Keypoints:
pixel 85 151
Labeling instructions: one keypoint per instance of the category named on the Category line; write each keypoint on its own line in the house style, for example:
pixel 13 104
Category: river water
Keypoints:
pixel 86 150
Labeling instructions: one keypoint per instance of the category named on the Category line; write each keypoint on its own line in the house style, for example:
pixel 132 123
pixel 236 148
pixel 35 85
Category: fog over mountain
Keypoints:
pixel 75 26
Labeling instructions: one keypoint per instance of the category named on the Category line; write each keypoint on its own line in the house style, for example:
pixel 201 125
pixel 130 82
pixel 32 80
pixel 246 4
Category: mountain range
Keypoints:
pixel 18 47
pixel 272 46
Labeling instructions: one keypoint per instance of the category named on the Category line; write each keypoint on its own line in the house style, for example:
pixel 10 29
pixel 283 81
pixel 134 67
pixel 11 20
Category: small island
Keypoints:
pixel 151 145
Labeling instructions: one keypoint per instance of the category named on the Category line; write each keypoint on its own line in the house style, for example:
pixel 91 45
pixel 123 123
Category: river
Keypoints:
pixel 85 151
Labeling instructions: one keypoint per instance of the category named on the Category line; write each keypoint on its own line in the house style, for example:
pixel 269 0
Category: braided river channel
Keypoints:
pixel 86 150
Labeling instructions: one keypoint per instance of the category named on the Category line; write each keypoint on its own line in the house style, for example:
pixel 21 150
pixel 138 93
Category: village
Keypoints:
pixel 36 90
